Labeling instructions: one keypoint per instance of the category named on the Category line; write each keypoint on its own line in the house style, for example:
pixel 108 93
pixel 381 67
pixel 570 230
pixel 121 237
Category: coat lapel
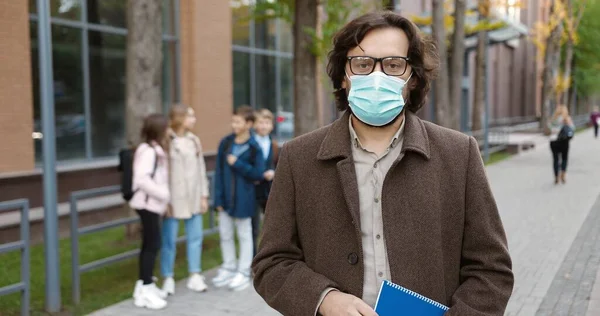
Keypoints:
pixel 337 145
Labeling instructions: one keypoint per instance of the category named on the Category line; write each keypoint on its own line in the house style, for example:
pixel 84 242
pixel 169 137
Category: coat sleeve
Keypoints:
pixel 251 172
pixel 219 198
pixel 142 174
pixel 282 277
pixel 485 274
pixel 202 172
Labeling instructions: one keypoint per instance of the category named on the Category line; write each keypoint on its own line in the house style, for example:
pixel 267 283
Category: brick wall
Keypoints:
pixel 206 67
pixel 16 103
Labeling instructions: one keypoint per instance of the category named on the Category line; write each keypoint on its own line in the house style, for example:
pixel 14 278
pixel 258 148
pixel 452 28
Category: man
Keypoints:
pixel 381 195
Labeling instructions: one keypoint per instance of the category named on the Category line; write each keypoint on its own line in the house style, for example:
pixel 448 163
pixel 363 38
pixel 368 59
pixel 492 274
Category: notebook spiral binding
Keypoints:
pixel 417 295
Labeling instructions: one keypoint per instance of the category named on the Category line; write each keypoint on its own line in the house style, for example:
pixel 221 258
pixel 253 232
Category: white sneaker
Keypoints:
pixel 169 286
pixel 240 282
pixel 196 283
pixel 149 299
pixel 160 293
pixel 223 278
pixel 138 288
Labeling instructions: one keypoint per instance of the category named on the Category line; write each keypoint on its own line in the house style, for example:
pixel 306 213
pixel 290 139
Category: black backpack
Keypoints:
pixel 126 169
pixel 566 133
pixel 229 143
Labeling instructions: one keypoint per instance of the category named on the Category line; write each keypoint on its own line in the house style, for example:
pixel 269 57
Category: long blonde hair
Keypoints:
pixel 562 111
pixel 177 116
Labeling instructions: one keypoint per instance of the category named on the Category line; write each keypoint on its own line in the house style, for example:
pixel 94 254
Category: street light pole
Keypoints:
pixel 49 157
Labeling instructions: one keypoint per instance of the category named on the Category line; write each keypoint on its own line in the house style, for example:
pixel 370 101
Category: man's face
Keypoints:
pixel 240 125
pixel 380 43
pixel 264 126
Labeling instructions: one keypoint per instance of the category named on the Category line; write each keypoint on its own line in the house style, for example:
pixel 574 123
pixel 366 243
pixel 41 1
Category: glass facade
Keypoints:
pixel 89 55
pixel 262 65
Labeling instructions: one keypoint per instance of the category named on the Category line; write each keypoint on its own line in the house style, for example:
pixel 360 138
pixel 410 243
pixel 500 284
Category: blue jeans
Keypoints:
pixel 194 233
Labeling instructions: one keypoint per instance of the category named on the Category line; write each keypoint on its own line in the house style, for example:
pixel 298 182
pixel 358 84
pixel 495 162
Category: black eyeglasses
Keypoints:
pixel 391 66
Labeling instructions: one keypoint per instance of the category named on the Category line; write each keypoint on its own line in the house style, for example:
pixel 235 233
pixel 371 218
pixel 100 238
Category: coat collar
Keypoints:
pixel 337 143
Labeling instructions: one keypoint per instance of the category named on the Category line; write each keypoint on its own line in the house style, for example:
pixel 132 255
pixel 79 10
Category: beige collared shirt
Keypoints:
pixel 371 170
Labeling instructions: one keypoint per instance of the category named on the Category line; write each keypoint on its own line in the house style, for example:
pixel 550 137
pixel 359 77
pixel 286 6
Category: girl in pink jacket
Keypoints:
pixel 150 200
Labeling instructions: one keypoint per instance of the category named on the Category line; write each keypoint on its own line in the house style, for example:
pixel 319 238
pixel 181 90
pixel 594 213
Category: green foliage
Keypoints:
pixel 587 51
pixel 273 9
pixel 336 14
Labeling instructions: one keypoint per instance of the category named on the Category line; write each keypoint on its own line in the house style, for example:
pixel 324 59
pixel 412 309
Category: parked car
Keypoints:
pixel 284 128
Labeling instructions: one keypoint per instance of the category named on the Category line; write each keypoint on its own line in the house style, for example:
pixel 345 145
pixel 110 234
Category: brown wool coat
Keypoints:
pixel 444 236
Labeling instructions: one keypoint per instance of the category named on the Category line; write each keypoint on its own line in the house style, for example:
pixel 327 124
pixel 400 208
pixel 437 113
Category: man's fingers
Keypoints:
pixel 364 309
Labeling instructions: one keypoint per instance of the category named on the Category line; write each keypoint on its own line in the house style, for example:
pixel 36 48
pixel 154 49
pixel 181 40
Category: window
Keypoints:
pixel 68 92
pixel 262 65
pixel 93 86
pixel 107 55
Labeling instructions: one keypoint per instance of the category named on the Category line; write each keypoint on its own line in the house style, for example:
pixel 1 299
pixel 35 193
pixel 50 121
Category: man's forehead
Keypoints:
pixel 384 42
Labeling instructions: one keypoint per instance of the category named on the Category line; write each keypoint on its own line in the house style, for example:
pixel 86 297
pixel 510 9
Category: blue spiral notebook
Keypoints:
pixel 395 300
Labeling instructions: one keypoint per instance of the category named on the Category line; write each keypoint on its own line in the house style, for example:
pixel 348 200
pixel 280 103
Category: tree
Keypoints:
pixel 440 86
pixel 144 66
pixel 457 62
pixel 571 25
pixel 448 106
pixel 586 73
pixel 306 112
pixel 480 88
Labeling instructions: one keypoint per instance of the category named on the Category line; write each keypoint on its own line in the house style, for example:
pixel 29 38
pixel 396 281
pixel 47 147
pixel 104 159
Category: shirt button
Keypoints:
pixel 375 165
pixel 376 200
pixel 380 274
pixel 378 236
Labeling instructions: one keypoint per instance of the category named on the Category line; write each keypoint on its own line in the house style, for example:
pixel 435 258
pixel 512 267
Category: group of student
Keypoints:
pixel 170 184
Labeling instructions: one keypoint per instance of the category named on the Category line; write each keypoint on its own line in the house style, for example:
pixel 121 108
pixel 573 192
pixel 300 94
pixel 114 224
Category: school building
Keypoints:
pixel 214 59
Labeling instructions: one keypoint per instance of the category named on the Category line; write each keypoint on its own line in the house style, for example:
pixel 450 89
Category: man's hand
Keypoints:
pixel 231 159
pixel 269 175
pixel 341 304
pixel 204 205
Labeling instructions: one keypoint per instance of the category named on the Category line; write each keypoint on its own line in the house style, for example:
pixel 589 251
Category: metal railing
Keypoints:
pixel 76 232
pixel 23 244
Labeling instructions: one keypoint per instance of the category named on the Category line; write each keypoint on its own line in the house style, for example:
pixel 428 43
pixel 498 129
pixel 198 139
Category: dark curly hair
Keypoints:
pixel 422 54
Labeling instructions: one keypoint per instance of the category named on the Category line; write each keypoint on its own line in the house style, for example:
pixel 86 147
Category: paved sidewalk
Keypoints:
pixel 541 219
pixel 214 302
pixel 544 225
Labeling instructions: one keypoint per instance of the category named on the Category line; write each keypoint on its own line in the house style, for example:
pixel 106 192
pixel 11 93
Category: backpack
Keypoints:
pixel 229 143
pixel 126 169
pixel 566 133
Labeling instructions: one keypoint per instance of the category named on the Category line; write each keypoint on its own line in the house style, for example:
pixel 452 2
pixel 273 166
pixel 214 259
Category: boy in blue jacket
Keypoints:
pixel 240 164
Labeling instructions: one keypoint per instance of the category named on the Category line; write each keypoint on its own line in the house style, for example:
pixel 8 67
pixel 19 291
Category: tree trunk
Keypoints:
pixel 305 69
pixel 144 68
pixel 457 63
pixel 551 65
pixel 480 83
pixel 440 86
pixel 568 65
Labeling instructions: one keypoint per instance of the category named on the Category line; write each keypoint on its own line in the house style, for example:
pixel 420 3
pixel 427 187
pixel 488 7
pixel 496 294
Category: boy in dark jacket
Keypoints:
pixel 270 150
pixel 240 164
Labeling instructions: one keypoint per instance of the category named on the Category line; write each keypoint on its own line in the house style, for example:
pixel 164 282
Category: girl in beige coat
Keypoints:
pixel 189 199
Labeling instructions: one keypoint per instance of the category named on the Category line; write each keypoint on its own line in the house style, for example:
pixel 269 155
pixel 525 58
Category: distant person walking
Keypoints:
pixel 150 200
pixel 189 187
pixel 562 130
pixel 595 118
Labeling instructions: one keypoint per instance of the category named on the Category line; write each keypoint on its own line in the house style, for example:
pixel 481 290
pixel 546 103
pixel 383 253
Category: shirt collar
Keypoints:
pixel 395 140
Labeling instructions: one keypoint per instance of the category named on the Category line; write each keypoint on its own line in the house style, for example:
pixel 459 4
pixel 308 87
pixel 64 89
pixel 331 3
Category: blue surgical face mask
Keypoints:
pixel 376 99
